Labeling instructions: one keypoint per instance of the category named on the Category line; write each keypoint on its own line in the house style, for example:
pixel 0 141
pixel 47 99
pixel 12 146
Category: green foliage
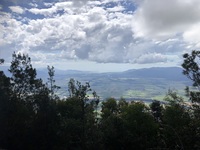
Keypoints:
pixel 191 67
pixel 27 112
pixel 176 126
pixel 1 61
pixel 33 117
pixel 23 81
pixel 112 125
pixel 142 130
pixel 173 98
pixel 109 108
pixel 51 82
pixel 192 71
pixel 127 125
pixel 4 107
pixel 156 110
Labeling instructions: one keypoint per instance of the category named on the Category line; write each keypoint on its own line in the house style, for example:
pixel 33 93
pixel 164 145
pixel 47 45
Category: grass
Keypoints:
pixel 127 87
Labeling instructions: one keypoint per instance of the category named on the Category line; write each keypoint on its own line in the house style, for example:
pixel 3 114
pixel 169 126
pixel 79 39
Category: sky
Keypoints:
pixel 100 35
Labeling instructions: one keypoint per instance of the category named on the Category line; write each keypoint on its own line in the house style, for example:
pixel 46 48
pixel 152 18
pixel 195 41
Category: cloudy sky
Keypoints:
pixel 101 35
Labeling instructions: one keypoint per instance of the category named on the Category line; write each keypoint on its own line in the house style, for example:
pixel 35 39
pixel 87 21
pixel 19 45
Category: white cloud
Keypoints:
pixel 110 1
pixel 151 58
pixel 68 55
pixel 53 9
pixel 17 9
pixel 94 34
pixel 33 4
pixel 163 19
pixel 90 30
pixel 192 35
pixel 9 29
pixel 115 9
pixel 48 4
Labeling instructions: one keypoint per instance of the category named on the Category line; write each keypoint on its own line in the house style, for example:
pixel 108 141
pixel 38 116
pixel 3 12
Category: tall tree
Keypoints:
pixel 176 129
pixel 23 79
pixel 1 61
pixel 5 93
pixel 142 129
pixel 79 116
pixel 156 109
pixel 112 124
pixel 51 81
pixel 31 105
pixel 109 108
pixel 191 68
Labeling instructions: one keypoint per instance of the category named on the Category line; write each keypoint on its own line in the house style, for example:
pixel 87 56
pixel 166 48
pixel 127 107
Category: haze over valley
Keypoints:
pixel 148 83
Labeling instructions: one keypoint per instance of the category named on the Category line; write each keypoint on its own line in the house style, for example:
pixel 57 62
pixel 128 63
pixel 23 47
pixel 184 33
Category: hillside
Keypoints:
pixel 149 83
pixel 146 83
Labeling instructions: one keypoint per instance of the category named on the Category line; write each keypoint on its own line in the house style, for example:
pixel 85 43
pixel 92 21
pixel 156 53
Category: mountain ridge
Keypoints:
pixel 149 83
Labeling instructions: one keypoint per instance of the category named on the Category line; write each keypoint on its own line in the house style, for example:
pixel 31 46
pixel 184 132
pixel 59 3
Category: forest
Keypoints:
pixel 33 117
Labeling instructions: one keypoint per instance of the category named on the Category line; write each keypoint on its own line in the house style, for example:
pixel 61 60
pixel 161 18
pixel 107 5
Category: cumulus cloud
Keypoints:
pixel 103 31
pixel 9 28
pixel 163 19
pixel 17 9
pixel 115 9
pixel 151 58
pixel 192 35
pixel 52 9
pixel 68 54
pixel 96 34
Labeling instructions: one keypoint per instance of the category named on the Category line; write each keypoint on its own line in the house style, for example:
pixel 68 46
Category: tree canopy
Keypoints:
pixel 33 117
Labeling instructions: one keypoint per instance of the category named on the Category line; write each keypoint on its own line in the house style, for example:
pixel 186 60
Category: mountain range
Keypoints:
pixel 148 83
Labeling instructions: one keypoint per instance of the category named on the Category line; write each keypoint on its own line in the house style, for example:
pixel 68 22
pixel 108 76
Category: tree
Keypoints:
pixel 45 123
pixel 23 80
pixel 1 61
pixel 53 88
pixel 127 125
pixel 33 117
pixel 17 110
pixel 112 125
pixel 142 129
pixel 78 118
pixel 5 109
pixel 191 68
pixel 175 132
pixel 109 108
pixel 156 110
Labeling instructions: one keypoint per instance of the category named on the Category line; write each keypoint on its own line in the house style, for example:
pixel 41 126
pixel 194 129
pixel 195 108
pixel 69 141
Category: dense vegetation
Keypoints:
pixel 33 117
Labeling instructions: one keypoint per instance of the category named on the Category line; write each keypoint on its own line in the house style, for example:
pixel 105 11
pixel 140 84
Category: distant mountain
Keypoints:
pixel 170 73
pixel 149 83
